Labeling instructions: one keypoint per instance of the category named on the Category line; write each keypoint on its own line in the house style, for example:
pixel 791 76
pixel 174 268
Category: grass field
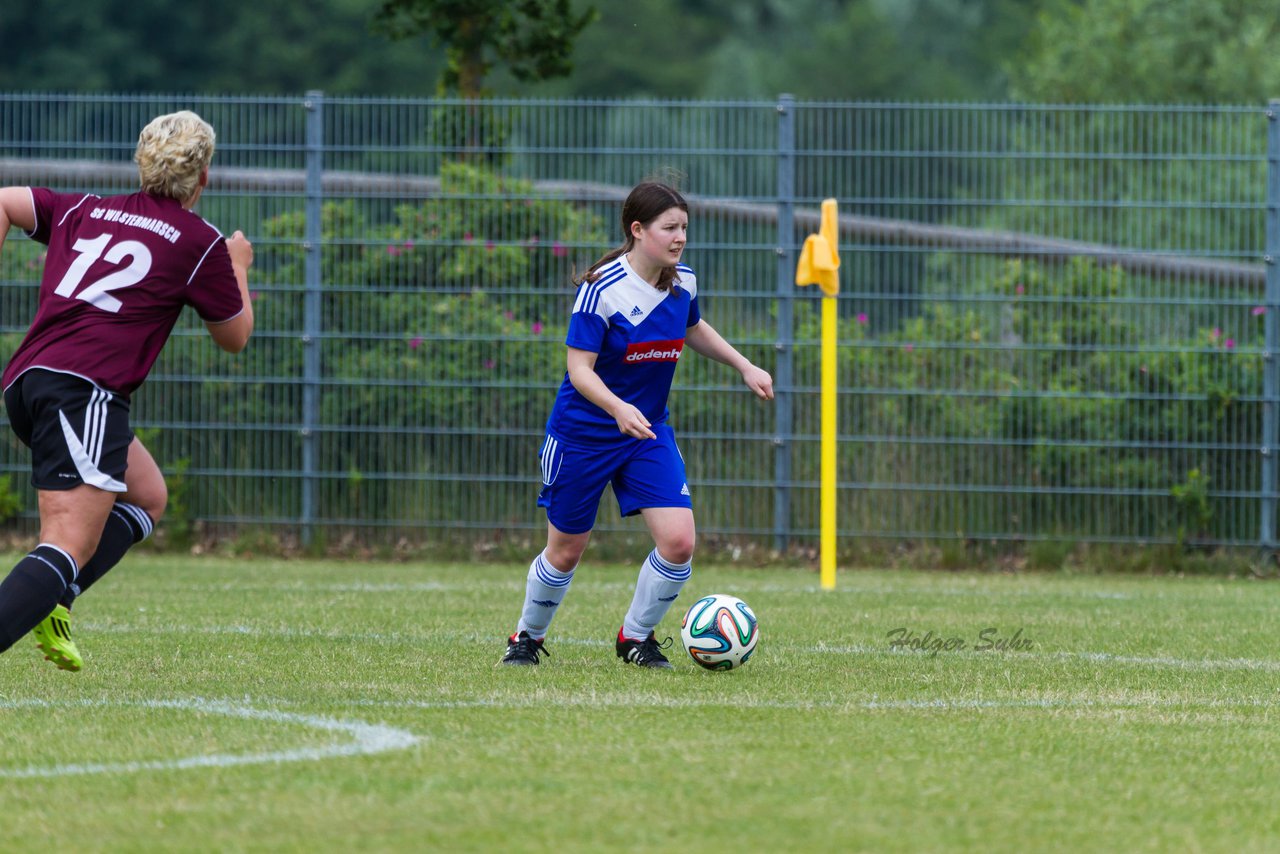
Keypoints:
pixel 335 706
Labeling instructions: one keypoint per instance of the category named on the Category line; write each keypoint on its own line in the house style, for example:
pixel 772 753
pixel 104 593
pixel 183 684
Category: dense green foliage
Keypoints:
pixel 1067 51
pixel 1152 51
pixel 1060 370
pixel 411 337
pixel 663 48
pixel 532 39
pixel 1070 392
pixel 1118 427
pixel 233 46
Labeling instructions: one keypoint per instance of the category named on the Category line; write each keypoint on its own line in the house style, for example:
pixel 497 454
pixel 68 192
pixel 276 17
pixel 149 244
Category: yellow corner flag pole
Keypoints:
pixel 819 265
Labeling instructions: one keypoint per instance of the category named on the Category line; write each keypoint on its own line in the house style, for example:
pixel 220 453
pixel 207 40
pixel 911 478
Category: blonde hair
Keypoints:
pixel 172 152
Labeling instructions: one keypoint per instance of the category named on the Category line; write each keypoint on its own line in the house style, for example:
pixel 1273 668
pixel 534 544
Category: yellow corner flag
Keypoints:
pixel 819 265
pixel 820 258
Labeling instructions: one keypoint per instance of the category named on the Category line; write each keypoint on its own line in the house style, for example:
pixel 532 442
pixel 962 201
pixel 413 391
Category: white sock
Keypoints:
pixel 657 587
pixel 544 589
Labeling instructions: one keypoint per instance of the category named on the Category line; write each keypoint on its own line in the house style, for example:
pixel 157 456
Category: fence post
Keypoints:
pixel 1271 325
pixel 783 374
pixel 312 240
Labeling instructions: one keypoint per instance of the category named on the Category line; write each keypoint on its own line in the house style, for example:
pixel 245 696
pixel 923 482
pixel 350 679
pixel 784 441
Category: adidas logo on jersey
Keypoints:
pixel 653 351
pixel 636 311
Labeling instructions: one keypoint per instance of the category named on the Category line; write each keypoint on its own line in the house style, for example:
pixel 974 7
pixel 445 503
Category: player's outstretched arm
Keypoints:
pixel 16 208
pixel 232 335
pixel 581 366
pixel 707 342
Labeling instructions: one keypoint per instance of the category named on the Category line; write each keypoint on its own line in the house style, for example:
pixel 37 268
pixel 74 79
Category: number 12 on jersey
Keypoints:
pixel 96 293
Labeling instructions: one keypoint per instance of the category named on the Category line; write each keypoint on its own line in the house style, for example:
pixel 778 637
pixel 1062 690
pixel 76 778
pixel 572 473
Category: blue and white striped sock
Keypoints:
pixel 544 590
pixel 657 587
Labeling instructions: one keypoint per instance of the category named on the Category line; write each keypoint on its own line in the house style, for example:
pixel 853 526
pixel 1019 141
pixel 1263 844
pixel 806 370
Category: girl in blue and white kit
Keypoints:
pixel 636 309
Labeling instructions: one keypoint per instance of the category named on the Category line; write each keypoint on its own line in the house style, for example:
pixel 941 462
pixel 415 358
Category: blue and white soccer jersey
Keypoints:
pixel 638 333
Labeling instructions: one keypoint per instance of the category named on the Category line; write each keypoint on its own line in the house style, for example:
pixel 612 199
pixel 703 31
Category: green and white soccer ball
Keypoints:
pixel 720 632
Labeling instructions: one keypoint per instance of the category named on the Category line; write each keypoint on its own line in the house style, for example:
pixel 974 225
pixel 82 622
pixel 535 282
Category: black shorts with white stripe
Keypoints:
pixel 78 433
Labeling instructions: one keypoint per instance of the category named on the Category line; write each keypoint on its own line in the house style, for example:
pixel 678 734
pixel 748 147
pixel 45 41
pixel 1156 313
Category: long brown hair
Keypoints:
pixel 645 203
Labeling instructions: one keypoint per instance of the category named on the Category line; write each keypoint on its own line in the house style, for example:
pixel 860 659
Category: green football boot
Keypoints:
pixel 53 636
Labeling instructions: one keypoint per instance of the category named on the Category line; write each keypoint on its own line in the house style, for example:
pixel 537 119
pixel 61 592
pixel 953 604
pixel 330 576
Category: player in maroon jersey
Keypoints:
pixel 117 273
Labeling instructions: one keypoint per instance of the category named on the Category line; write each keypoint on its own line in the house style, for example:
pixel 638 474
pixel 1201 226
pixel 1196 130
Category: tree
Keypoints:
pixel 902 50
pixel 1162 52
pixel 229 46
pixel 1151 51
pixel 532 38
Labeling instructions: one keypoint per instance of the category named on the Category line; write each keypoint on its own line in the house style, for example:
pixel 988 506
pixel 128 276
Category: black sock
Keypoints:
pixel 127 525
pixel 31 591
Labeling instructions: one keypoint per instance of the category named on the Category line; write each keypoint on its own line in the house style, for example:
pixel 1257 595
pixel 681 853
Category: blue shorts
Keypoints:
pixel 644 473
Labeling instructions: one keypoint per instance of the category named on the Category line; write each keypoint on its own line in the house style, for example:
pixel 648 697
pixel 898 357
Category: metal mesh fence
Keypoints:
pixel 1055 321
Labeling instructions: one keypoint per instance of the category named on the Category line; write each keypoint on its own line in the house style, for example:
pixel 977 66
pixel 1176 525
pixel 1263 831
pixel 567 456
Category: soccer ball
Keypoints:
pixel 720 632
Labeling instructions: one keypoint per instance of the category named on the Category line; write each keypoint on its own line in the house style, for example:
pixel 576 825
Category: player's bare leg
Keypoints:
pixel 130 520
pixel 72 519
pixel 145 482
pixel 564 551
pixel 71 523
pixel 673 530
pixel 132 517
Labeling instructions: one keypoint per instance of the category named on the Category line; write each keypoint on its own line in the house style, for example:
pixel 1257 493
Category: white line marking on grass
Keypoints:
pixel 1209 664
pixel 1099 657
pixel 1003 656
pixel 319 634
pixel 598 701
pixel 367 739
pixel 746 588
pixel 407 587
pixel 1167 661
pixel 251 631
pixel 357 586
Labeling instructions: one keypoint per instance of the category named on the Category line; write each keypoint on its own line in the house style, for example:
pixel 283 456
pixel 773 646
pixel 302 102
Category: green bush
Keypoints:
pixel 440 331
pixel 1069 416
pixel 1047 406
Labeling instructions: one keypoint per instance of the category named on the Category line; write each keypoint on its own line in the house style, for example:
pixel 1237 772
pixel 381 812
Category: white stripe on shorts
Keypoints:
pixel 549 449
pixel 95 424
pixel 87 466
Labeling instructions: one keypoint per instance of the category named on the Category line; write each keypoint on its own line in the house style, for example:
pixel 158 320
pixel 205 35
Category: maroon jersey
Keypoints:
pixel 118 271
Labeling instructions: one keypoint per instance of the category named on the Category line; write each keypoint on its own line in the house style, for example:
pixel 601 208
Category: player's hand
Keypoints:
pixel 241 250
pixel 759 381
pixel 631 422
